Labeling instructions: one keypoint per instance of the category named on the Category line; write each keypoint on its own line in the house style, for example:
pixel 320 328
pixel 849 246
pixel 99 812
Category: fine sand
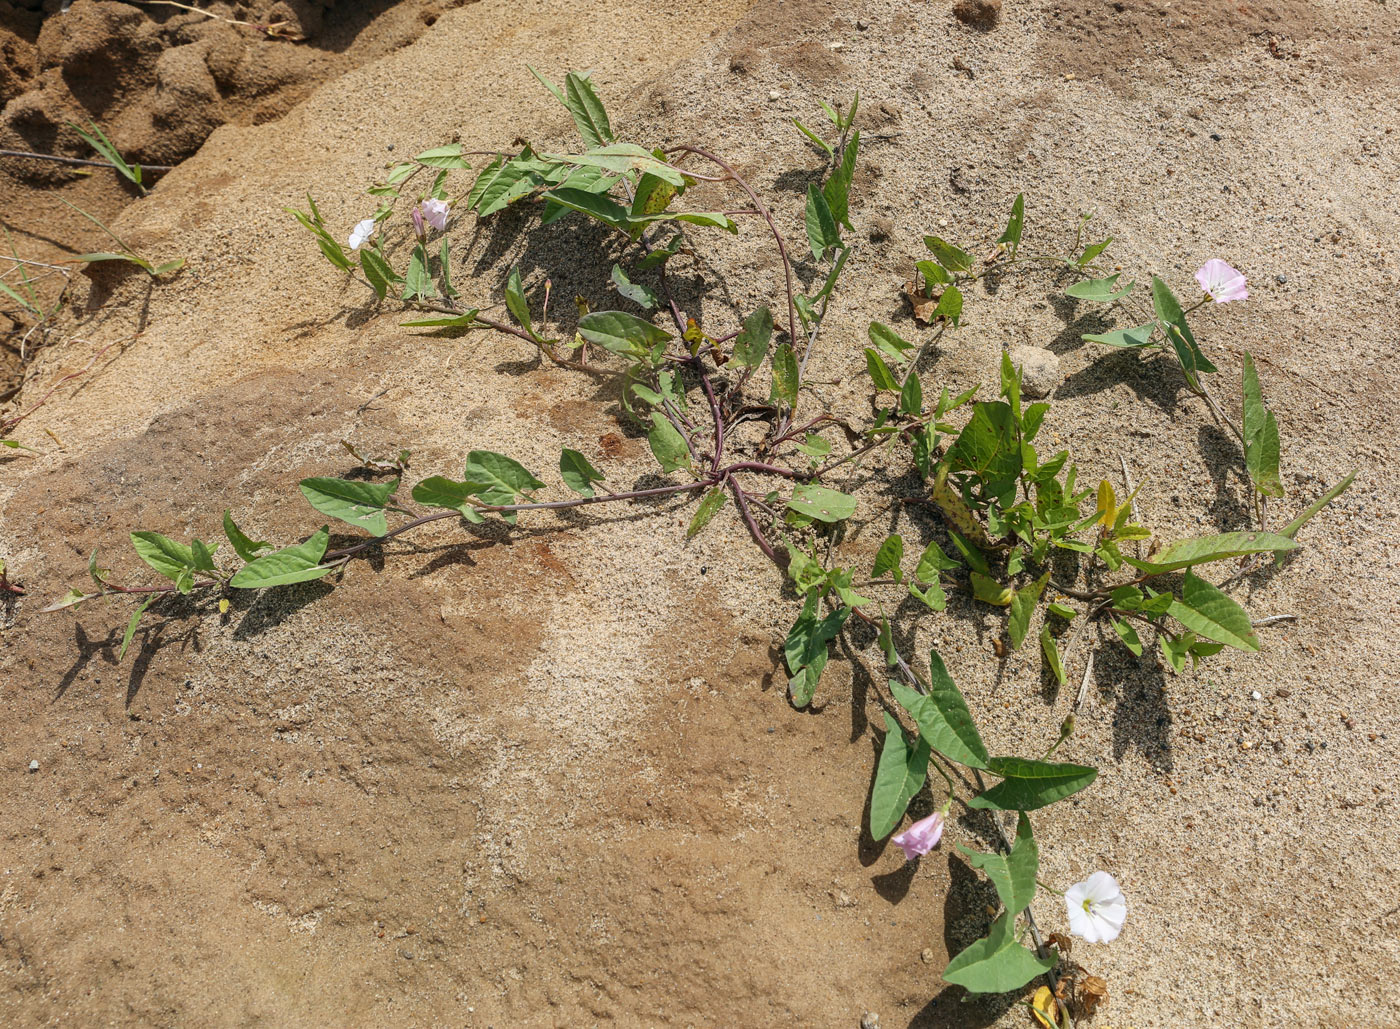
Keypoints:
pixel 549 777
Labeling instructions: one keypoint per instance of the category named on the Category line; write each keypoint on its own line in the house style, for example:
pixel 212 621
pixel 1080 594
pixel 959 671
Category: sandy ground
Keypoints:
pixel 550 778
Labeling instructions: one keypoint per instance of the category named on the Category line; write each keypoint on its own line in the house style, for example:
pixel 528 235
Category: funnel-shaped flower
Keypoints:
pixel 435 213
pixel 921 837
pixel 1096 908
pixel 361 232
pixel 1221 282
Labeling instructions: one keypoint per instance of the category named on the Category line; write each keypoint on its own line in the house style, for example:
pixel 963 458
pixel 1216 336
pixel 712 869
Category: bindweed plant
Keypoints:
pixel 1026 535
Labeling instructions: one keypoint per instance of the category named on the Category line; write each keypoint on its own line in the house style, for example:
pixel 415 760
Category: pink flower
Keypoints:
pixel 435 213
pixel 418 230
pixel 1221 282
pixel 921 837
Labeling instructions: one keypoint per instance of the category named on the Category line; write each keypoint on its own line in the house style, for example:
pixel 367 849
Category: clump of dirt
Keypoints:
pixel 157 80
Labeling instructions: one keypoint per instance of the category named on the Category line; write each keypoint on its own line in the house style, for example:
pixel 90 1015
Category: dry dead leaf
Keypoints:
pixel 923 306
pixel 1093 991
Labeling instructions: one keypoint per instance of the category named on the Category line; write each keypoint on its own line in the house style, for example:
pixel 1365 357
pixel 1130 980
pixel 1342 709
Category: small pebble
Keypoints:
pixel 1282 280
pixel 34 766
pixel 1256 695
pixel 1216 136
pixel 870 1020
pixel 926 955
pixel 862 24
pixel 774 94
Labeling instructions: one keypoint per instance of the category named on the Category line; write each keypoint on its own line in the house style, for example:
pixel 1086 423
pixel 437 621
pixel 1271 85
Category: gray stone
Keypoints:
pixel 1040 370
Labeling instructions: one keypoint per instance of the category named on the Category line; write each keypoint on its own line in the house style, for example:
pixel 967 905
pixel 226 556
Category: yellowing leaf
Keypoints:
pixel 1044 1009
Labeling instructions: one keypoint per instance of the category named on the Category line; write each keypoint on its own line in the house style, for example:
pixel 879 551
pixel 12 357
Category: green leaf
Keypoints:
pixel 1012 874
pixel 589 115
pixel 997 963
pixel 1213 548
pixel 667 444
pixel 1102 291
pixel 1291 529
pixel 987 446
pixel 837 190
pixel 360 504
pixel 889 342
pixel 418 284
pixel 558 93
pixel 805 648
pixel 888 557
pixel 822 233
pixel 503 480
pixel 377 271
pixel 706 509
pixel 1173 320
pixel 449 156
pixel 622 333
pixel 1261 446
pixel 300 563
pixel 662 254
pixel 445 263
pixel 1128 635
pixel 989 591
pixel 1052 655
pixel 1027 785
pixel 880 372
pixel 516 303
pixel 1092 251
pixel 1208 612
pixel 911 397
pixel 751 345
pixel 203 555
pixel 162 553
pixel 950 305
pixel 933 275
pixel 1140 336
pixel 72 598
pixel 654 194
pixel 785 376
pixel 1062 610
pixel 827 147
pixel 714 219
pixel 1012 235
pixel 135 621
pixel 642 296
pixel 1176 650
pixel 899 776
pixel 949 256
pixel 104 146
pixel 822 504
pixel 943 717
pixel 1022 606
pixel 622 159
pixel 437 491
pixel 577 473
pixel 932 561
pixel 244 547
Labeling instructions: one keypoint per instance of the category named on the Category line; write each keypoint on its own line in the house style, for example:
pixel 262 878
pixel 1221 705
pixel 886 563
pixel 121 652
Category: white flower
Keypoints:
pixel 1221 282
pixel 361 232
pixel 1096 908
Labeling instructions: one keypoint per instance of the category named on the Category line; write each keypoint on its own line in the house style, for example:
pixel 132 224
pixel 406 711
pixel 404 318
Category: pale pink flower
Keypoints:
pixel 361 232
pixel 435 212
pixel 921 837
pixel 1221 282
pixel 418 230
pixel 1096 908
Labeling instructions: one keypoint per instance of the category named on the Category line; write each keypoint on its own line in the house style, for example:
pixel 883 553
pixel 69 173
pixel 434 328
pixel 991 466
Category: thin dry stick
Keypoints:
pixel 275 29
pixel 6 424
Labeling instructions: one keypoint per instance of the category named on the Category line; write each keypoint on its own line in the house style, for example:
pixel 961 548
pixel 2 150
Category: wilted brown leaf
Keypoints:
pixel 923 306
pixel 1093 991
